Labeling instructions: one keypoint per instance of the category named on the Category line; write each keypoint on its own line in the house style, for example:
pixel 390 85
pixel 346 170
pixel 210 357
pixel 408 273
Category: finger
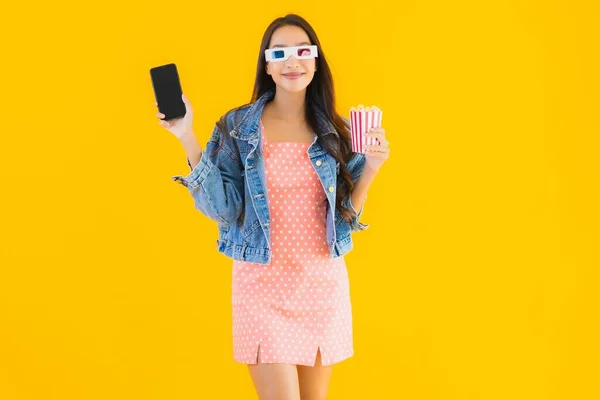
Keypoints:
pixel 376 130
pixel 380 137
pixel 377 149
pixel 160 115
pixel 378 146
pixel 376 134
pixel 155 104
pixel 376 154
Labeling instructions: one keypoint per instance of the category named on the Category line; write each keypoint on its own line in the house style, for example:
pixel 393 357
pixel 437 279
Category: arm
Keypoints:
pixel 359 192
pixel 215 181
pixel 362 179
pixel 376 155
pixel 192 148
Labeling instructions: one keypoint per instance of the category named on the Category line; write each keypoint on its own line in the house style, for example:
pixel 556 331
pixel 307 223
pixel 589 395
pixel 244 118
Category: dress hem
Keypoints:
pixel 245 360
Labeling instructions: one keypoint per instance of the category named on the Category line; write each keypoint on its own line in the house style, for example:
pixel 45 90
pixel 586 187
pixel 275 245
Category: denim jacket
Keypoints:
pixel 231 183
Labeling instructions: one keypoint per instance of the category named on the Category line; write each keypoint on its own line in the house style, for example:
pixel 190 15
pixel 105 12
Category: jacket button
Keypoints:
pixel 331 189
pixel 319 163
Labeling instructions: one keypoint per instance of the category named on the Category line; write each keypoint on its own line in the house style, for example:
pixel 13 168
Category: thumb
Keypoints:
pixel 186 101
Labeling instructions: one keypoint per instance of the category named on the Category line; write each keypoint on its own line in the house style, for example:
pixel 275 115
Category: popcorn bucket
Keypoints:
pixel 361 120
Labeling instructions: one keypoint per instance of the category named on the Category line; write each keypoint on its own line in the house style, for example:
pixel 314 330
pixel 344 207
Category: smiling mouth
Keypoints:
pixel 293 75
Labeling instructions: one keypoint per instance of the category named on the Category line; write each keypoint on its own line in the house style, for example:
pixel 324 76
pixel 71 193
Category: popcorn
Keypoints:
pixel 361 120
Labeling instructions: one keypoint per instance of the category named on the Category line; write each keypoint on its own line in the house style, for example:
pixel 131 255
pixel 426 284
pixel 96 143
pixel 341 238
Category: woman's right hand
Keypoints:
pixel 179 126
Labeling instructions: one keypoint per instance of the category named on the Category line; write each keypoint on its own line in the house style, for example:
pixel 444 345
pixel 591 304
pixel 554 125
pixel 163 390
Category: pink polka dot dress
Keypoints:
pixel 300 302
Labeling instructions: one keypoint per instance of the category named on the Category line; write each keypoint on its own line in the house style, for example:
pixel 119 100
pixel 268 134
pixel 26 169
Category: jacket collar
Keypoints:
pixel 247 128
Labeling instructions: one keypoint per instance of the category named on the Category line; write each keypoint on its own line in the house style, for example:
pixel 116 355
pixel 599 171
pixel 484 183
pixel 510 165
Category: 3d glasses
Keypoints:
pixel 283 53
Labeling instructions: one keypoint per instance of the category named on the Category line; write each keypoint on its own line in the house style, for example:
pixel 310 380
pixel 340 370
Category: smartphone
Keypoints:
pixel 167 91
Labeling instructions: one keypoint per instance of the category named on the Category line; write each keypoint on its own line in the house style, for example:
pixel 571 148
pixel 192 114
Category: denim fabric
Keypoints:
pixel 229 187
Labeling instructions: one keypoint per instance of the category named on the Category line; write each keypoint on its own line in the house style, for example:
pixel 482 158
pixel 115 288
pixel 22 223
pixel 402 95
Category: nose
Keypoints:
pixel 291 62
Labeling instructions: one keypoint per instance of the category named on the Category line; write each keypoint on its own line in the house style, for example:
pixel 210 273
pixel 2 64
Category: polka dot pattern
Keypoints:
pixel 301 301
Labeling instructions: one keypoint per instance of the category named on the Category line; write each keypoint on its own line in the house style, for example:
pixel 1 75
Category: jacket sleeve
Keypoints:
pixel 216 182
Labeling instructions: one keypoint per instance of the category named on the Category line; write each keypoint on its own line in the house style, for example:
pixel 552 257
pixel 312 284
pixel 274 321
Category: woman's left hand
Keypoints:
pixel 376 154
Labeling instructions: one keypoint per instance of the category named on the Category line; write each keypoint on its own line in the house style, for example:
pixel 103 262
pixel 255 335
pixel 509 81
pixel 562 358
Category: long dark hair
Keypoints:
pixel 320 94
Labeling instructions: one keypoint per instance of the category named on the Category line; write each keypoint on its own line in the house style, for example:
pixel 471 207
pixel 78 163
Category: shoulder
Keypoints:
pixel 231 118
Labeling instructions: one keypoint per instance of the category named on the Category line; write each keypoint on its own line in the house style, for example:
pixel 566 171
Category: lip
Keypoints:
pixel 294 75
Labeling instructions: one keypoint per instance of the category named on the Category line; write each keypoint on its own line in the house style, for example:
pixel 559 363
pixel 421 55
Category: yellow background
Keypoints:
pixel 476 280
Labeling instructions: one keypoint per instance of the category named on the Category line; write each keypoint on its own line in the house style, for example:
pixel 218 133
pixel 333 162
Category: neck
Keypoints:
pixel 289 107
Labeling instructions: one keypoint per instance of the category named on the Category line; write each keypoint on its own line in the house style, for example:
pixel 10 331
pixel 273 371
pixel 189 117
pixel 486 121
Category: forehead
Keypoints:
pixel 287 36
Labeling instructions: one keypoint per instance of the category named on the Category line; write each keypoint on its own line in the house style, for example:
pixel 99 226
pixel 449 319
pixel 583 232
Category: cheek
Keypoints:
pixel 276 68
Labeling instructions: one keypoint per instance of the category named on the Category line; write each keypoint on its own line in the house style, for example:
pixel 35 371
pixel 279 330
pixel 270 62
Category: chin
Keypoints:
pixel 293 87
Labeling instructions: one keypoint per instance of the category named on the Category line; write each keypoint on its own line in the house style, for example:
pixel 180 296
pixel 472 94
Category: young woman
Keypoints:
pixel 280 179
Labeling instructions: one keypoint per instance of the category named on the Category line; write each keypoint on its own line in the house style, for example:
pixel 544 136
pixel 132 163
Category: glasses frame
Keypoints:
pixel 291 51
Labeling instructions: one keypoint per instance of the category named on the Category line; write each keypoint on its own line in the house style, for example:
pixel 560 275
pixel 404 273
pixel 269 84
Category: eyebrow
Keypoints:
pixel 283 45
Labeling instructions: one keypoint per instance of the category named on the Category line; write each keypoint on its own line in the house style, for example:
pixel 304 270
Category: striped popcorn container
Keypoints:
pixel 361 120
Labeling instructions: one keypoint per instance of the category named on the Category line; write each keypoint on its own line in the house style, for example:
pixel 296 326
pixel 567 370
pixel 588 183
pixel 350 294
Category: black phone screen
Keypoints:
pixel 167 91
